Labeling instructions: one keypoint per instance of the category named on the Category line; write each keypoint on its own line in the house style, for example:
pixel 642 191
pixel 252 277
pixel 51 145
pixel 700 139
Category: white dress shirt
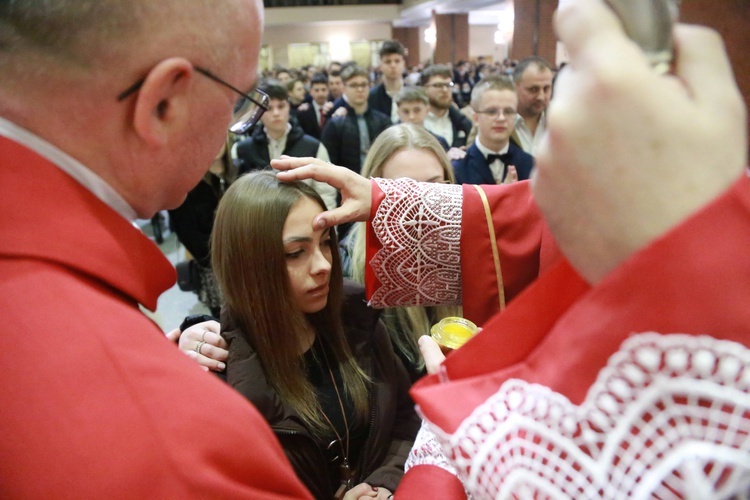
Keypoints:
pixel 529 142
pixel 441 126
pixel 496 167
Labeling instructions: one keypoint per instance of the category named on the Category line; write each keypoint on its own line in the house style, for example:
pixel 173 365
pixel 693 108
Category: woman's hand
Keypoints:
pixel 364 491
pixel 356 191
pixel 203 344
pixel 512 175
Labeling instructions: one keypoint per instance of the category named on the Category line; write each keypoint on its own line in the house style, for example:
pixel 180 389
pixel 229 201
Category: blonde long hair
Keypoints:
pixel 404 324
pixel 247 254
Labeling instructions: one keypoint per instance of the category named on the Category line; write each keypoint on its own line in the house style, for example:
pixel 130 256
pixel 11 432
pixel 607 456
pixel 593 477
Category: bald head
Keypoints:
pixel 64 63
pixel 64 29
pixel 79 36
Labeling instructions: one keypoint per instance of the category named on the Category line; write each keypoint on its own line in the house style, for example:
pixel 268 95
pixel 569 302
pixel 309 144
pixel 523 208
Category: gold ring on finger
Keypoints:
pixel 198 347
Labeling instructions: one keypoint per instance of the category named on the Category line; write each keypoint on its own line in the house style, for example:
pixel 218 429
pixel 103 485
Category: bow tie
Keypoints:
pixel 505 158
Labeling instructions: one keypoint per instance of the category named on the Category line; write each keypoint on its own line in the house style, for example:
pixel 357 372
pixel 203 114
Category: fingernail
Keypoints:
pixel 375 489
pixel 320 223
pixel 221 366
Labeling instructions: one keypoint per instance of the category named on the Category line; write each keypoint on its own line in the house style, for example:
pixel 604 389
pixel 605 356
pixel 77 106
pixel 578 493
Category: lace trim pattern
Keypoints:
pixel 668 417
pixel 419 228
pixel 426 450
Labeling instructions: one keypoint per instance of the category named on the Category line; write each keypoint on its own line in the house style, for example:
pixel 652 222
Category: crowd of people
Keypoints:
pixel 612 360
pixel 449 108
pixel 487 118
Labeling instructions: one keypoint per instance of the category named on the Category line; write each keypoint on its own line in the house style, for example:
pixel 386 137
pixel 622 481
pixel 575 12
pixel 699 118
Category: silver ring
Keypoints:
pixel 198 347
pixel 203 337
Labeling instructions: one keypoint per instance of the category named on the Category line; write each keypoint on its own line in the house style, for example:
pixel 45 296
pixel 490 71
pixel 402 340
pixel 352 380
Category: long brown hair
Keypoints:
pixel 248 259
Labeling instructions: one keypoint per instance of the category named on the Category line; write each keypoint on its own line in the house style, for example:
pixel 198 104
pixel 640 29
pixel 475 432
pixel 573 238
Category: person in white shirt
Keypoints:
pixel 493 158
pixel 533 78
pixel 444 119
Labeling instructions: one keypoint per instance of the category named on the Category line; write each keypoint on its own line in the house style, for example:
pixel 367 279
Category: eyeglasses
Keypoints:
pixel 247 110
pixel 358 86
pixel 496 112
pixel 441 85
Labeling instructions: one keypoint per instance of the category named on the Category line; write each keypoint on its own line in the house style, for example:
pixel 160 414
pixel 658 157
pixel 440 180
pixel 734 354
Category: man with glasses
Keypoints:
pixel 444 119
pixel 493 158
pixel 347 138
pixel 113 110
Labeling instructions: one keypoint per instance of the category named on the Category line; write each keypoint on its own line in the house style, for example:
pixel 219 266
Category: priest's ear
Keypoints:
pixel 162 101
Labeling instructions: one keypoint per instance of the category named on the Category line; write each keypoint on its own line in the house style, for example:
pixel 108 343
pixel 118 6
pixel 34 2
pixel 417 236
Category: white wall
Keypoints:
pixel 319 24
pixel 482 43
pixel 278 37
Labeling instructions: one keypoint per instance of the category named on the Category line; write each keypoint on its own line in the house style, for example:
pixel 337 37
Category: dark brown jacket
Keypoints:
pixel 393 422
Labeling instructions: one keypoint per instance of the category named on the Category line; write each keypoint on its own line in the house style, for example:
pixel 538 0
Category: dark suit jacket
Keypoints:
pixel 380 100
pixel 473 168
pixel 340 136
pixel 309 121
pixel 461 127
pixel 337 103
pixel 442 141
pixel 252 153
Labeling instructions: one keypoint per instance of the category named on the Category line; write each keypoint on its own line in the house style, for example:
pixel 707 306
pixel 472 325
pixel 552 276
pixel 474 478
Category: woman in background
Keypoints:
pixel 402 150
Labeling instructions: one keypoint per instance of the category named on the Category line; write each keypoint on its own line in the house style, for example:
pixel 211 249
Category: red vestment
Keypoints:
pixel 637 386
pixel 94 401
pixel 429 242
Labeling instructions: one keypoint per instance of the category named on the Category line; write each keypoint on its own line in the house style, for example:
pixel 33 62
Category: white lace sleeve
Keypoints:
pixel 427 451
pixel 419 228
pixel 668 417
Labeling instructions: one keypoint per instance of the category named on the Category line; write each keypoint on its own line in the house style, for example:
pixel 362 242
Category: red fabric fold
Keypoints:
pixel 560 334
pixel 413 483
pixel 518 227
pixel 372 243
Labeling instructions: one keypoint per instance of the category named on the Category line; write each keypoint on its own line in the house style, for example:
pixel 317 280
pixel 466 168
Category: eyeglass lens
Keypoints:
pixel 247 113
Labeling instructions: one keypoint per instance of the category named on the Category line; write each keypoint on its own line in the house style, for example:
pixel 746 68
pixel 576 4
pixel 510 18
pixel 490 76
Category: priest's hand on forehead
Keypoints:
pixel 356 194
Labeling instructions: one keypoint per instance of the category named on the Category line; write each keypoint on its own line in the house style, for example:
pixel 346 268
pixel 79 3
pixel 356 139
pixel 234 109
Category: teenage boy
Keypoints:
pixel 312 115
pixel 392 66
pixel 276 136
pixel 335 85
pixel 492 157
pixel 348 138
pixel 412 105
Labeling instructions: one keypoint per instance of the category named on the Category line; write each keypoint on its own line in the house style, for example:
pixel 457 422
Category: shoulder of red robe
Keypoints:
pixel 668 415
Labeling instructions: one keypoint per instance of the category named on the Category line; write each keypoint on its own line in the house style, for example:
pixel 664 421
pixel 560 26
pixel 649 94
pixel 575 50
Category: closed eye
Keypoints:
pixel 294 255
